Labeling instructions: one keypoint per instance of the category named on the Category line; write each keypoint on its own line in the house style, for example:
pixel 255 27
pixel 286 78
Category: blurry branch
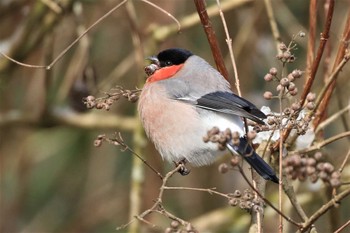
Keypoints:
pixel 273 24
pixel 69 118
pixel 161 33
pixel 333 202
pixel 332 118
pixel 311 35
pixel 12 56
pixel 319 145
pixel 213 42
pixel 330 82
pixel 137 170
pixel 344 162
pixel 40 22
pixel 10 7
pixel 342 227
pixel 341 54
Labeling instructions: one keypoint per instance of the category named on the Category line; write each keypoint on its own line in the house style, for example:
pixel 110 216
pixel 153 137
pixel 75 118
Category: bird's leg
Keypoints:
pixel 183 170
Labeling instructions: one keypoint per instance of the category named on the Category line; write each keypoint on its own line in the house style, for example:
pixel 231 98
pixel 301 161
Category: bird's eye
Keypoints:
pixel 168 63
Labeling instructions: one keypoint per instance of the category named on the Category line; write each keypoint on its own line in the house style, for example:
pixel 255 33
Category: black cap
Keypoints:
pixel 173 56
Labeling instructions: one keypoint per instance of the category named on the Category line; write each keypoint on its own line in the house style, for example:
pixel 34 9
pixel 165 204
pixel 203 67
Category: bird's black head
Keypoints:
pixel 174 56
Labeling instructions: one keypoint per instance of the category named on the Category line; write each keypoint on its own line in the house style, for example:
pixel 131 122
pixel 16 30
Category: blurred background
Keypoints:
pixel 53 178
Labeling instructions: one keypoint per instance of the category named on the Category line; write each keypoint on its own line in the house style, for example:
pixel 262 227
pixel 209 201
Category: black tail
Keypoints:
pixel 259 165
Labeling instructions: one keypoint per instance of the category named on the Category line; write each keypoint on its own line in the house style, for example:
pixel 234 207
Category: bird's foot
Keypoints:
pixel 184 171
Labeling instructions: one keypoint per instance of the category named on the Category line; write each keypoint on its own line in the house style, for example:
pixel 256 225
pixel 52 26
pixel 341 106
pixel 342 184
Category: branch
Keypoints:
pixel 214 45
pixel 318 146
pixel 334 201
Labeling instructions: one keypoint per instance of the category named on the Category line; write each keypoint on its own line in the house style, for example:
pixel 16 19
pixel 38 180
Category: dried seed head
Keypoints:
pixel 268 77
pixel 233 202
pixel 283 47
pixel 291 86
pixel 234 161
pixel 310 105
pixel 295 106
pixel 174 224
pixel 318 156
pixel 273 71
pixel 311 97
pixel 97 142
pixel 335 183
pixel 237 193
pixel 290 77
pixel 297 73
pixel 279 87
pixel 294 92
pixel 268 95
pixel 284 82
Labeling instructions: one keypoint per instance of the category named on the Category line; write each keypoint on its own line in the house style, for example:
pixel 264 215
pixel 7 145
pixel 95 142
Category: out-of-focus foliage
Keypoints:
pixel 53 179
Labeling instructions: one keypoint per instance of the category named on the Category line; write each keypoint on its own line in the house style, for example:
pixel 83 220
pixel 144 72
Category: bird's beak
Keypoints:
pixel 155 65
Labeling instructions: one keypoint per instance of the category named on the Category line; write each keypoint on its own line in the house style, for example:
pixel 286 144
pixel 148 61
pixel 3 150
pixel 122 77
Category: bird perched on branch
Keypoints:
pixel 182 99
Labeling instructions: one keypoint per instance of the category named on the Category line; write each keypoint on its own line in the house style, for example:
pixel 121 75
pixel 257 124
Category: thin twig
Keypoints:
pixel 165 12
pixel 344 162
pixel 319 145
pixel 229 45
pixel 273 24
pixel 332 118
pixel 342 227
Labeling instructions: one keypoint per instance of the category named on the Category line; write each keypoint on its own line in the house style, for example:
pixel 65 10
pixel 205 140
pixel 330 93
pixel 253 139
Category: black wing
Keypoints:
pixel 229 103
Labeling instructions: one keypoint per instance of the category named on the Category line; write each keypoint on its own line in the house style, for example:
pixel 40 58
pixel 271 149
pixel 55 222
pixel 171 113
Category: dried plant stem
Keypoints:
pixel 319 145
pixel 342 227
pixel 336 199
pixel 214 45
pixel 229 45
pixel 280 159
pixel 344 162
pixel 332 118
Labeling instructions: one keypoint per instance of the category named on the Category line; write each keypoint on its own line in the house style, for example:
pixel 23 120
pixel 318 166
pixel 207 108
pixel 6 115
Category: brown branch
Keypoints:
pixel 311 35
pixel 214 45
pixel 334 201
pixel 342 227
pixel 340 55
pixel 314 68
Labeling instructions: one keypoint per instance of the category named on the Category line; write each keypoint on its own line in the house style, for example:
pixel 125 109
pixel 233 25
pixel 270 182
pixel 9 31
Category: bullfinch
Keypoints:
pixel 182 99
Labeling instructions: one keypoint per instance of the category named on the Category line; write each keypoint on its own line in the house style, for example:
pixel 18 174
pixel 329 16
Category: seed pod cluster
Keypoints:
pixel 246 200
pixel 298 167
pixel 106 101
pixel 221 137
pixel 175 227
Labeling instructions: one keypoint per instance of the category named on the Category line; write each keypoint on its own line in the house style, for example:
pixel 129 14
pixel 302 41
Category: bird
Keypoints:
pixel 184 97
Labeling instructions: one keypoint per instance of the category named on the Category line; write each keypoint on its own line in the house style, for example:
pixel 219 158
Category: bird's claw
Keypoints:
pixel 183 170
